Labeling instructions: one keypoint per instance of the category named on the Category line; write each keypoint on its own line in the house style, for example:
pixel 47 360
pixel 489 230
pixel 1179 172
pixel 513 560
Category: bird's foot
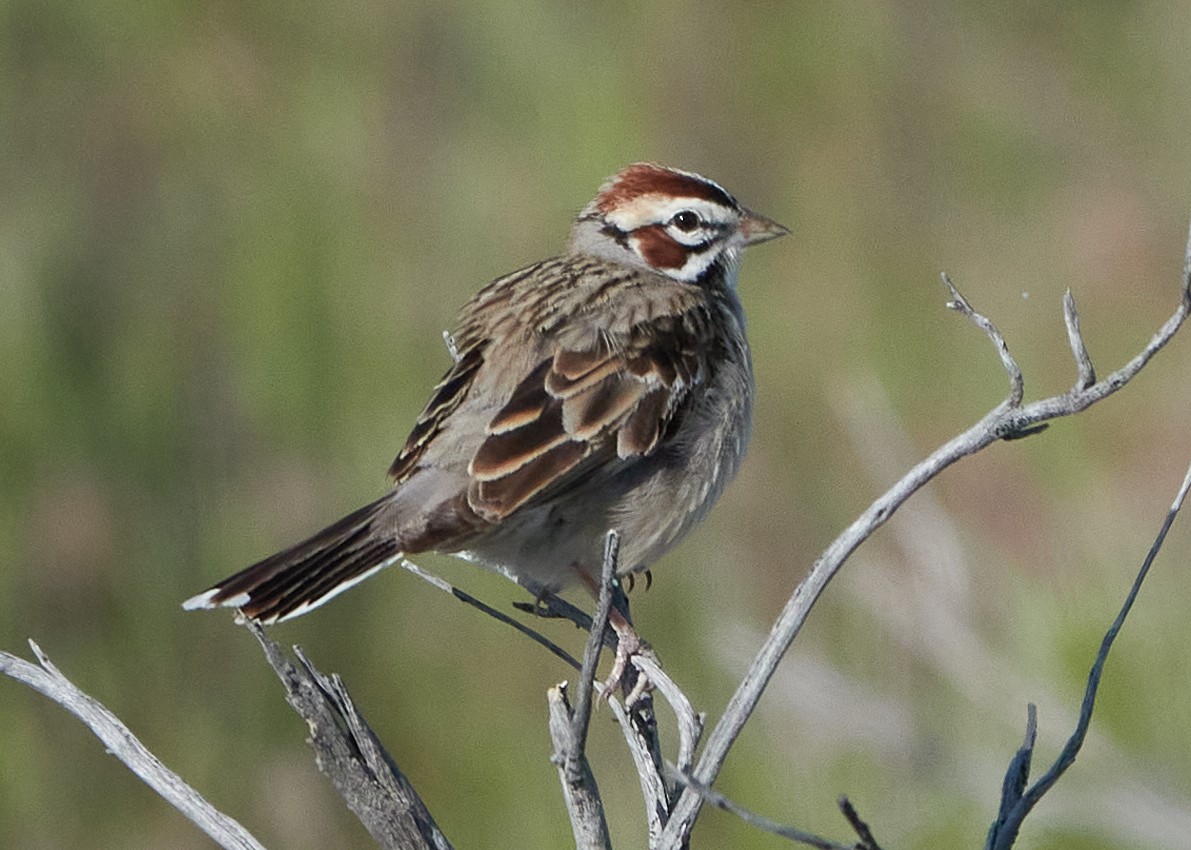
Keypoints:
pixel 624 675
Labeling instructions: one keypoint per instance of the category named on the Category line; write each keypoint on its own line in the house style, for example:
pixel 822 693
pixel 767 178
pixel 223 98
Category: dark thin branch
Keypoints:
pixel 793 833
pixel 1017 775
pixel 550 606
pixel 348 752
pixel 1016 803
pixel 1008 419
pixel 49 681
pixel 467 598
pixel 867 841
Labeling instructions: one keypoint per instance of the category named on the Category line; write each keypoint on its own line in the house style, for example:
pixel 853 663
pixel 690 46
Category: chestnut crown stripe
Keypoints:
pixel 647 179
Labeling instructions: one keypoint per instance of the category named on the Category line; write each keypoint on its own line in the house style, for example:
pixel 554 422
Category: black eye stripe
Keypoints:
pixel 713 233
pixel 615 233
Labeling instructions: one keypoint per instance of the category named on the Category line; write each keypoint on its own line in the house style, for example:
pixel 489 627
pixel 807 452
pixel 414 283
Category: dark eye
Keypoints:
pixel 686 221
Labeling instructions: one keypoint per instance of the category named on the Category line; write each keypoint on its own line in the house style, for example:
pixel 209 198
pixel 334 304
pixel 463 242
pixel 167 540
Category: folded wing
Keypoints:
pixel 575 411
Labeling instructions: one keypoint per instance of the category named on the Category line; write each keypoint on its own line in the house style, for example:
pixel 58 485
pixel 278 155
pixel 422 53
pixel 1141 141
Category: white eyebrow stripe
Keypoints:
pixel 656 208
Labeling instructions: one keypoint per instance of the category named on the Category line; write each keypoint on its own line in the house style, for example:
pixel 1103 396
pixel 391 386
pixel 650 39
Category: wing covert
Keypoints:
pixel 578 409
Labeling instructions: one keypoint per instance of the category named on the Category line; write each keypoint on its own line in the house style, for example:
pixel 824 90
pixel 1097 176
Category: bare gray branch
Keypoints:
pixel 49 681
pixel 690 724
pixel 1085 372
pixel 349 754
pixel 1007 420
pixel 639 727
pixel 591 655
pixel 579 790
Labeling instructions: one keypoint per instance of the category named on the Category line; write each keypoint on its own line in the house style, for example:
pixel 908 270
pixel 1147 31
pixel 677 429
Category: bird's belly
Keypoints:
pixel 652 504
pixel 544 548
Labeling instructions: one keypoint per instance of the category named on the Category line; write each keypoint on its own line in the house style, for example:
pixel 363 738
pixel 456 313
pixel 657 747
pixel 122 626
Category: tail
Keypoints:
pixel 305 576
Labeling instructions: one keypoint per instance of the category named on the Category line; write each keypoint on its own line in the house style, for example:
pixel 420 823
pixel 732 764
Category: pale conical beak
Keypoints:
pixel 757 228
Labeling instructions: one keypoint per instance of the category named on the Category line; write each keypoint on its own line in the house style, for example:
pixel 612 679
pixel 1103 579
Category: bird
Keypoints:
pixel 607 388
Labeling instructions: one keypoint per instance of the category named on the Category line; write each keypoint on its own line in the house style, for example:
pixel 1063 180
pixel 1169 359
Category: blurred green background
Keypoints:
pixel 230 235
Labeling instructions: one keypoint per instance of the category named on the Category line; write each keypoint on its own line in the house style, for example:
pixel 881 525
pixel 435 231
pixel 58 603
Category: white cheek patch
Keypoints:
pixel 694 266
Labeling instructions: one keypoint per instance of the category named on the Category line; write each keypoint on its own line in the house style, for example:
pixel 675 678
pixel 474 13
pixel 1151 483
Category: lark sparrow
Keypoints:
pixel 606 388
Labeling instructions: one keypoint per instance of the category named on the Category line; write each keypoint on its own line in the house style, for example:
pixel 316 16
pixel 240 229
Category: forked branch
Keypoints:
pixel 1008 420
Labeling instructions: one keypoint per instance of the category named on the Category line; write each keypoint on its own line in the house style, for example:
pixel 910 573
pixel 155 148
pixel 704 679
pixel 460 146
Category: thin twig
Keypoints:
pixel 49 681
pixel 1085 371
pixel 1017 384
pixel 867 840
pixel 1003 832
pixel 467 598
pixel 591 655
pixel 1008 419
pixel 690 724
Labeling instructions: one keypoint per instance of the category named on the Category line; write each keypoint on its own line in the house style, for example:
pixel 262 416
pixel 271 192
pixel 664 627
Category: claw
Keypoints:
pixel 630 581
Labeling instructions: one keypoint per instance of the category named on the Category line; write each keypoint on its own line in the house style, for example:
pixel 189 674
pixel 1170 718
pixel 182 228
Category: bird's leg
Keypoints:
pixel 540 606
pixel 623 675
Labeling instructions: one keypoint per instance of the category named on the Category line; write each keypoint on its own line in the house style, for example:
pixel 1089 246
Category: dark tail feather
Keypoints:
pixel 305 576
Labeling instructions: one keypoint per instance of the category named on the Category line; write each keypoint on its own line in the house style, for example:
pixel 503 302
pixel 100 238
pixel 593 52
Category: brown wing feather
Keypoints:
pixel 510 449
pixel 643 427
pixel 500 497
pixel 579 408
pixel 594 410
pixel 527 403
pixel 574 371
pixel 447 395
